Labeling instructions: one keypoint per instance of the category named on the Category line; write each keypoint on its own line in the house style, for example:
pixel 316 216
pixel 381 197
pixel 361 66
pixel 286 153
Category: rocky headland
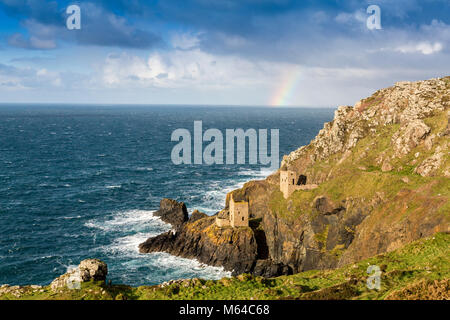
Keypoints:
pixel 380 171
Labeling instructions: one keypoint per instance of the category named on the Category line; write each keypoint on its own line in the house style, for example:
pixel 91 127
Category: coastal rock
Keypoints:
pixel 323 205
pixel 429 141
pixel 447 130
pixel 88 270
pixel 430 165
pixel 233 248
pixel 409 136
pixel 173 212
pixel 196 215
pixel 268 269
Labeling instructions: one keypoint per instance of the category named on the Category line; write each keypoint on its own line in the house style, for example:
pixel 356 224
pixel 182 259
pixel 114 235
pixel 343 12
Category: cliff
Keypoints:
pixel 382 168
pixel 419 270
pixel 235 249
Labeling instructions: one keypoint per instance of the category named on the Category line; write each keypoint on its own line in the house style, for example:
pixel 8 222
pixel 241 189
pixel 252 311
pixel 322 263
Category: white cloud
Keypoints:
pixel 351 18
pixel 184 68
pixel 421 47
pixel 185 41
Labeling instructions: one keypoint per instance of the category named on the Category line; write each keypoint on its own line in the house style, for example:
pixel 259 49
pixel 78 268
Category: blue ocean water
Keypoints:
pixel 81 182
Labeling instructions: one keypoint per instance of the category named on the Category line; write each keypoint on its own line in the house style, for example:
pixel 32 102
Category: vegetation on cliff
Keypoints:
pixel 382 168
pixel 420 270
pixel 383 173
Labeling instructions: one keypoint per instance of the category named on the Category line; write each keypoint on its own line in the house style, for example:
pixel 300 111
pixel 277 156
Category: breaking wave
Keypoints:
pixel 128 229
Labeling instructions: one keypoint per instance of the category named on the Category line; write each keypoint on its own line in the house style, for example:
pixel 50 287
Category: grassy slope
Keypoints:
pixel 358 176
pixel 418 270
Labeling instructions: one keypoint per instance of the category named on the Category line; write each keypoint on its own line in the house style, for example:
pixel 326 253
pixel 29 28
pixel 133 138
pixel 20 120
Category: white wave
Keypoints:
pixel 113 187
pixel 128 245
pixel 69 217
pixel 181 266
pixel 71 267
pixel 158 267
pixel 130 220
pixel 144 169
pixel 150 268
pixel 46 257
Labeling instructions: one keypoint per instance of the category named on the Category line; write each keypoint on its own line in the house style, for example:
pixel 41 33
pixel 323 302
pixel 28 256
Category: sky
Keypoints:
pixel 210 52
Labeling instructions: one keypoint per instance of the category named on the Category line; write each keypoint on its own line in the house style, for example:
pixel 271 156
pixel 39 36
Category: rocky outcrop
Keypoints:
pixel 409 136
pixel 429 166
pixel 172 212
pixel 88 270
pixel 398 132
pixel 401 104
pixel 370 167
pixel 447 130
pixel 196 215
pixel 235 249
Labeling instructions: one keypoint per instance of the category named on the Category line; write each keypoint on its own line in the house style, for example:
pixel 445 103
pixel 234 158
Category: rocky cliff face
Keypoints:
pixel 235 249
pixel 172 212
pixel 383 170
pixel 383 165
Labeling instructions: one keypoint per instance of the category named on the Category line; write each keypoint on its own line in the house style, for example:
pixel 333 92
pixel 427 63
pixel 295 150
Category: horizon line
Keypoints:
pixel 163 104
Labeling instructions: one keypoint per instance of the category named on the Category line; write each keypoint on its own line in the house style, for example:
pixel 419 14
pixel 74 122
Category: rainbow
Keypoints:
pixel 286 88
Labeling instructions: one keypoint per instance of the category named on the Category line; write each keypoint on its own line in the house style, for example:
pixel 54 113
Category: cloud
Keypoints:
pixel 238 49
pixel 19 41
pixel 185 41
pixel 46 12
pixel 36 60
pixel 39 79
pixel 357 17
pixel 184 68
pixel 45 23
pixel 102 28
pixel 23 78
pixel 422 47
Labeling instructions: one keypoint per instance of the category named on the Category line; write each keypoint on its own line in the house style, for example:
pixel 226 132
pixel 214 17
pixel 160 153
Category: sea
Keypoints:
pixel 83 181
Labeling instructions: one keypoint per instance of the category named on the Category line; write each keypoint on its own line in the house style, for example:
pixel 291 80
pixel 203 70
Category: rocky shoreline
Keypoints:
pixel 234 249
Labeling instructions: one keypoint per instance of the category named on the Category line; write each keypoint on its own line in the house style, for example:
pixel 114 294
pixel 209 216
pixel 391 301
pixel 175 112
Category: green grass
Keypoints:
pixel 360 175
pixel 423 260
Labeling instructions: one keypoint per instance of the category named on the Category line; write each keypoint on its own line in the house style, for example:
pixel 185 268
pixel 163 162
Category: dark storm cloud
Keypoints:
pixel 45 23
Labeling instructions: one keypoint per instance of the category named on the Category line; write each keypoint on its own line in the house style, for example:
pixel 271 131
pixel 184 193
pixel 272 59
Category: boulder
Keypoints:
pixel 409 136
pixel 173 212
pixel 429 166
pixel 88 270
